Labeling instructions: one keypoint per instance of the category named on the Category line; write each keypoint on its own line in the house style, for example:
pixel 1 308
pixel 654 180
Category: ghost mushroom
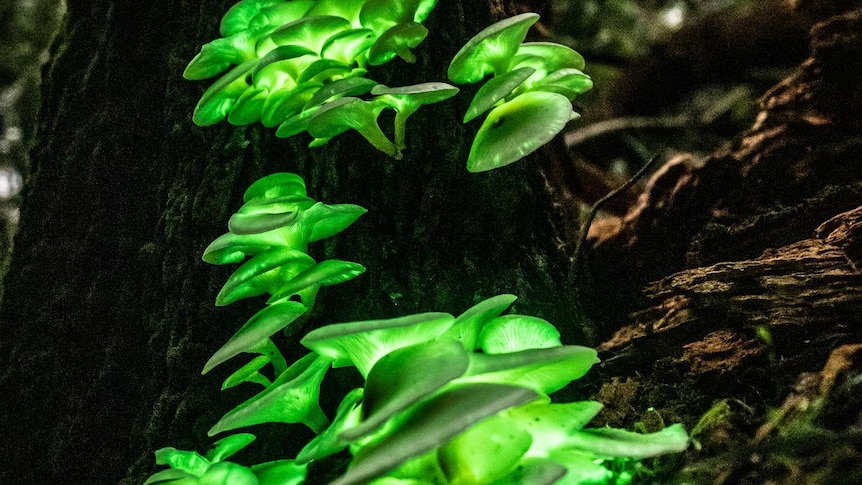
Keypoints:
pixel 517 128
pixel 407 99
pixel 490 51
pixel 349 113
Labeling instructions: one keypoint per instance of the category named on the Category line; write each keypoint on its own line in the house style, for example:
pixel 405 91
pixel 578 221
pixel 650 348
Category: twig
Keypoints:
pixel 585 229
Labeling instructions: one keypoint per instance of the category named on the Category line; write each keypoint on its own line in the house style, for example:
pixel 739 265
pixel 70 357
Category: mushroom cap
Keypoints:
pixel 517 128
pixel 430 424
pixel 296 123
pixel 248 106
pixel 343 114
pixel 346 9
pixel 292 398
pixel 351 86
pixel 310 32
pixel 220 97
pixel 489 51
pixel 469 324
pixel 381 15
pixel 362 344
pixel 323 70
pixel 281 66
pixel 259 327
pixel 569 82
pixel 546 58
pixel 240 15
pixel 495 90
pixel 218 55
pixel 274 186
pixel 279 14
pixel 416 94
pixel 513 333
pixel 397 41
pixel 348 45
pixel 283 103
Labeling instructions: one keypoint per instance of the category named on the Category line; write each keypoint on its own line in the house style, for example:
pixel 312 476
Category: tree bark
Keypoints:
pixel 109 316
pixel 733 286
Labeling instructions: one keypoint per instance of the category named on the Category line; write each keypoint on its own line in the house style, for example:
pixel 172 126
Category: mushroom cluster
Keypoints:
pixel 272 229
pixel 300 65
pixel 446 400
pixel 529 95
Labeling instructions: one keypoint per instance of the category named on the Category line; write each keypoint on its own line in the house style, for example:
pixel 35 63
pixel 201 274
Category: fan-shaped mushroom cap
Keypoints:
pixel 397 41
pixel 310 32
pixel 568 82
pixel 517 128
pixel 362 344
pixel 490 51
pixel 348 46
pixel 351 86
pixel 248 107
pixel 495 90
pixel 381 15
pixel 406 100
pixel 346 9
pixel 292 398
pixel 218 55
pixel 351 113
pixel 283 103
pixel 219 98
pixel 513 333
pixel 245 13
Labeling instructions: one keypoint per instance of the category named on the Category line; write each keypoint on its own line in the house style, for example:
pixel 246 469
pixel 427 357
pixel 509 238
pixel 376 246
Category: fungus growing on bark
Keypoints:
pixel 496 90
pixel 407 99
pixel 517 128
pixel 490 51
pixel 351 113
pixel 362 344
pixel 292 398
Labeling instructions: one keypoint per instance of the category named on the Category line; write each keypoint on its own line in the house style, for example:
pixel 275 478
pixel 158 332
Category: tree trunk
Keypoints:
pixel 108 315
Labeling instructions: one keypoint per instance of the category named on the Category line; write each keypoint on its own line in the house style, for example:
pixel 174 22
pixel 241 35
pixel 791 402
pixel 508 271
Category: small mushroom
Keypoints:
pixel 240 17
pixel 513 333
pixel 568 82
pixel 397 41
pixel 263 273
pixel 496 90
pixel 542 370
pixel 275 186
pixel 394 385
pixel 217 56
pixel 351 113
pixel 469 324
pixel 517 128
pixel 346 9
pixel 382 15
pixel 351 86
pixel 259 327
pixel 349 46
pixel 329 442
pixel 490 51
pixel 326 273
pixel 430 425
pixel 219 98
pixel 292 398
pixel 249 373
pixel 406 100
pixel 309 32
pixel 362 344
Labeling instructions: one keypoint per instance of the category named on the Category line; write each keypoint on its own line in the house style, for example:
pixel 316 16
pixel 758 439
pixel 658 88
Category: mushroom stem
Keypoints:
pixel 378 139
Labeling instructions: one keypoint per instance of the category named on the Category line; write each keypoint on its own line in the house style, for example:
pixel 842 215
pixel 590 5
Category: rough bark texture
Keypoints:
pixel 734 287
pixel 108 316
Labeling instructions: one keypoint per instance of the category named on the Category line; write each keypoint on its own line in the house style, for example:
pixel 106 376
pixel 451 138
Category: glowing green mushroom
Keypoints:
pixel 263 274
pixel 546 57
pixel 490 51
pixel 275 186
pixel 407 99
pixel 310 32
pixel 346 9
pixel 393 383
pixel 517 128
pixel 484 452
pixel 382 15
pixel 397 41
pixel 469 324
pixel 255 13
pixel 292 398
pixel 218 55
pixel 284 103
pixel 512 333
pixel 219 98
pixel 430 425
pixel 261 326
pixel 349 46
pixel 351 86
pixel 349 113
pixel 496 90
pixel 568 82
pixel 248 107
pixel 362 344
